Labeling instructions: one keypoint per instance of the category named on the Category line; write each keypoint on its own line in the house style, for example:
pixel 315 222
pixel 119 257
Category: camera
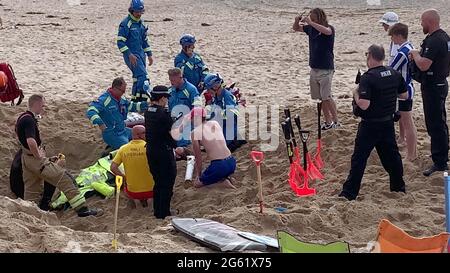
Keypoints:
pixel 358 77
pixel 356 110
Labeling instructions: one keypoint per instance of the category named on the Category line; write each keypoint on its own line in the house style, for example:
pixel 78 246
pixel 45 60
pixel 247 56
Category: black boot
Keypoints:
pixel 433 169
pixel 85 211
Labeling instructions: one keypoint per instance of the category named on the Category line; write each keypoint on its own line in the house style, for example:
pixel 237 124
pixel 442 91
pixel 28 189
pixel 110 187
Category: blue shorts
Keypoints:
pixel 218 170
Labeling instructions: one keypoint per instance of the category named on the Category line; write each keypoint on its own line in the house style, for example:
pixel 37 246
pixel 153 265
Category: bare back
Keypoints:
pixel 210 135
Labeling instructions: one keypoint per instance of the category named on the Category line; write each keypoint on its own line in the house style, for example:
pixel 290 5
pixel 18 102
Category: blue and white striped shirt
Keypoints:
pixel 400 63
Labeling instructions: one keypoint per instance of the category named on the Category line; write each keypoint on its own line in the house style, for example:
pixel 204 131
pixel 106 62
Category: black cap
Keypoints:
pixel 159 91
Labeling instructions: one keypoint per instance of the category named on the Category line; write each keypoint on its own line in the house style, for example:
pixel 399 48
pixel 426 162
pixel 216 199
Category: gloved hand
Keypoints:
pixel 60 160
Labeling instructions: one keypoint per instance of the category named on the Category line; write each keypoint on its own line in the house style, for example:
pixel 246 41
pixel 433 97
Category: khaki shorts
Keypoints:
pixel 320 83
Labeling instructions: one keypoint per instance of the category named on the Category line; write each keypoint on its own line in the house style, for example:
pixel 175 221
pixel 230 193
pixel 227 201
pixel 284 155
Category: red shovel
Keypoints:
pixel 298 178
pixel 258 158
pixel 293 180
pixel 311 169
pixel 307 167
pixel 317 158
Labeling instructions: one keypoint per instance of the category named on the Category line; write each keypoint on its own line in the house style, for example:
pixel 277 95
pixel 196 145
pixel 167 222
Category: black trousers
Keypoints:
pixel 434 96
pixel 379 135
pixel 163 167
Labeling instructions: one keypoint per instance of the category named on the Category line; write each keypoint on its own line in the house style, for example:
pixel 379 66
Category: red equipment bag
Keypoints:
pixel 12 90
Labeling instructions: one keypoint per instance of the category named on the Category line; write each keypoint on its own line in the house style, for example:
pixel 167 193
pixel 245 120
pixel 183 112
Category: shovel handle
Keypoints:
pixel 119 180
pixel 298 123
pixel 286 131
pixel 287 113
pixel 304 135
pixel 287 137
pixel 257 157
pixel 319 129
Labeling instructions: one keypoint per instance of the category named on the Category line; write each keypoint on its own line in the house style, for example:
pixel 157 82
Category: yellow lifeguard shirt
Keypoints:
pixel 134 159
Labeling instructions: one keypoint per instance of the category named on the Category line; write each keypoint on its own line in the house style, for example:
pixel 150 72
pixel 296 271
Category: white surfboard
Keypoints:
pixel 260 239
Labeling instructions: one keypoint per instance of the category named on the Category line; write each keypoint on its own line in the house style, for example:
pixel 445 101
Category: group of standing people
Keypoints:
pixel 383 91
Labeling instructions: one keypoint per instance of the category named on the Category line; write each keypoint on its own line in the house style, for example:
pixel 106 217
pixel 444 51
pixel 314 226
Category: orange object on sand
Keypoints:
pixel 3 80
pixel 392 239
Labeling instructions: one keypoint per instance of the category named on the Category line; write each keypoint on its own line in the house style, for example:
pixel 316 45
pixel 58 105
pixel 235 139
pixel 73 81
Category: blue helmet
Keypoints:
pixel 212 79
pixel 137 5
pixel 187 40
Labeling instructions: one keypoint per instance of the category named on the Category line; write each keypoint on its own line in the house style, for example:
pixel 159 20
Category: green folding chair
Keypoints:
pixel 289 244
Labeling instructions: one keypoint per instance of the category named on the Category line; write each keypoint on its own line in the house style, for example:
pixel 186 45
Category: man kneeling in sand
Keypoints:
pixel 138 179
pixel 210 135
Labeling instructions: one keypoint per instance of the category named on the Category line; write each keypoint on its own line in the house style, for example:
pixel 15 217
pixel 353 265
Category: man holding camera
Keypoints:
pixel 376 99
pixel 432 65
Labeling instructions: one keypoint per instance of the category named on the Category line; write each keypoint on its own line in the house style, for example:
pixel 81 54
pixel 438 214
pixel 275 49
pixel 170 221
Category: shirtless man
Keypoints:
pixel 210 135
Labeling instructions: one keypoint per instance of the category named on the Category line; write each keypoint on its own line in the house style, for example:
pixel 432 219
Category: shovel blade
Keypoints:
pixel 313 172
pixel 317 158
pixel 298 180
pixel 306 191
pixel 114 244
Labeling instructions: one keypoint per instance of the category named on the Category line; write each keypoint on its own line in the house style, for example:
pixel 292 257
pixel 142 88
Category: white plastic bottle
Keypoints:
pixel 189 167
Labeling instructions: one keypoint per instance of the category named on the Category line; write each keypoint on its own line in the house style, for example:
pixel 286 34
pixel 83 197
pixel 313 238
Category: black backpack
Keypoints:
pixel 15 175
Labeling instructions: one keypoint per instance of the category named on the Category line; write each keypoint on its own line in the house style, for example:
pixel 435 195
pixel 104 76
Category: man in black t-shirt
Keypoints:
pixel 433 61
pixel 37 167
pixel 376 98
pixel 321 60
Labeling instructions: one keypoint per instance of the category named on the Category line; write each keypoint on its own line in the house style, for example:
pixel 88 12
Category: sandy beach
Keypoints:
pixel 68 53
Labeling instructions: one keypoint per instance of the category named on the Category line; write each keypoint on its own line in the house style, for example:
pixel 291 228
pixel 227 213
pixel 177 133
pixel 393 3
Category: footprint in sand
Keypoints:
pixel 326 206
pixel 437 181
pixel 73 247
pixel 437 210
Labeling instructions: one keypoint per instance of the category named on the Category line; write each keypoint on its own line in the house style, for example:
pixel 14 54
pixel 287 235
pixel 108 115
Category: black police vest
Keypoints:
pixel 158 124
pixel 440 68
pixel 384 86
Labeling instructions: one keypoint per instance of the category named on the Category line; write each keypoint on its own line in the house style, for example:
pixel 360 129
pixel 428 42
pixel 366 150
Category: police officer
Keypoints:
pixel 36 167
pixel 191 63
pixel 433 63
pixel 160 145
pixel 132 42
pixel 183 97
pixel 376 98
pixel 110 111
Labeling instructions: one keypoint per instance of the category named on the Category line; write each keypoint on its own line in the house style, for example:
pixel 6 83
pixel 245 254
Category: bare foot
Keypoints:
pixel 401 144
pixel 131 204
pixel 144 203
pixel 227 183
pixel 232 180
pixel 197 183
